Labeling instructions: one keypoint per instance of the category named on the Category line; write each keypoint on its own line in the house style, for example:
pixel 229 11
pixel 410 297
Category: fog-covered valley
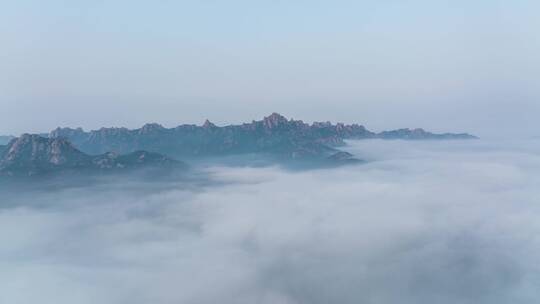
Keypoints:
pixel 418 222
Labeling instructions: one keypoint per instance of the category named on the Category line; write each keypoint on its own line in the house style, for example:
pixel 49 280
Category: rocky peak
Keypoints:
pixel 273 121
pixel 151 128
pixel 31 155
pixel 358 127
pixel 66 132
pixel 318 124
pixel 33 152
pixel 208 125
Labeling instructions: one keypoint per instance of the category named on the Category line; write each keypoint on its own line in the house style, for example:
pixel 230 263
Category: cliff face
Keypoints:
pixel 31 155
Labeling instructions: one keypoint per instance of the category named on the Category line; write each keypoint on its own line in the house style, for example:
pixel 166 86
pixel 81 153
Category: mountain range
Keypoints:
pixel 109 149
pixel 274 134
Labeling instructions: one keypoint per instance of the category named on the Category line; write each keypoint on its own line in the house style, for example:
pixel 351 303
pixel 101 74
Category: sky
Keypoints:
pixel 462 66
pixel 421 222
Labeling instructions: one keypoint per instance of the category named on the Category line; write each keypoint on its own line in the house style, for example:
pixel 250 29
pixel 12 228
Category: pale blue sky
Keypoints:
pixel 443 65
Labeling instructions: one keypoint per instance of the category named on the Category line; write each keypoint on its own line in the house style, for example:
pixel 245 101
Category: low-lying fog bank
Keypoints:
pixel 420 222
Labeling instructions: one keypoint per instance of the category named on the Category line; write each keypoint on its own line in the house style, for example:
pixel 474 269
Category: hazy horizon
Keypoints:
pixel 446 66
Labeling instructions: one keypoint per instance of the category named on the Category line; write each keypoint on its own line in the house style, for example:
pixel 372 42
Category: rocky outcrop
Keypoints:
pixel 151 129
pixel 207 125
pixel 31 155
pixel 275 122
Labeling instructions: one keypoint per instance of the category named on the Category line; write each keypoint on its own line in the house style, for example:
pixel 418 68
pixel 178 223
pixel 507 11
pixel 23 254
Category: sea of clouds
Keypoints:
pixel 420 222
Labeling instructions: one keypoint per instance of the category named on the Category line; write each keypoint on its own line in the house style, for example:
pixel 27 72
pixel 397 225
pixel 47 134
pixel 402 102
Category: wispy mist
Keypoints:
pixel 421 222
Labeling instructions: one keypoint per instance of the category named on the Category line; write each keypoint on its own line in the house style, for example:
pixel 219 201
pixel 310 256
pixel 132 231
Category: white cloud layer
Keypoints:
pixel 422 222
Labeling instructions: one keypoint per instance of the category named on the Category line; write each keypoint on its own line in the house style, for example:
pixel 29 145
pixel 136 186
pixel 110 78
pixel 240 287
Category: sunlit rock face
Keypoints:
pixel 31 155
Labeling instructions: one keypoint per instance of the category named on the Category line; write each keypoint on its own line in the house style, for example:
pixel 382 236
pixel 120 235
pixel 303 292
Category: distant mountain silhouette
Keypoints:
pixel 421 134
pixel 273 134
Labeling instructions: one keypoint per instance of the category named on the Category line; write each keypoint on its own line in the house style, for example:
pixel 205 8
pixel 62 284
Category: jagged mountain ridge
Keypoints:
pixel 31 155
pixel 273 134
pixel 421 134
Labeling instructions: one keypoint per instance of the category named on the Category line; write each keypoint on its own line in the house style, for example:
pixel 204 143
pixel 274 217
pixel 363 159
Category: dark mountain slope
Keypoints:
pixel 31 155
